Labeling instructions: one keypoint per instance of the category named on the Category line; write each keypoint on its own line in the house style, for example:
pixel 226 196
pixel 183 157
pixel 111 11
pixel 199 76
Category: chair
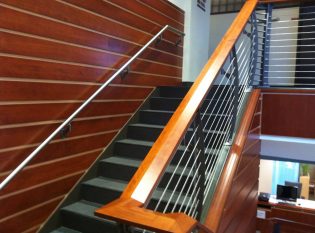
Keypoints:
pixel 295 184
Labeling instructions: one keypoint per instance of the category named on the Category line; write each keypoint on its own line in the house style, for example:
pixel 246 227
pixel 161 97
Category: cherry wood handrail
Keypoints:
pixel 226 179
pixel 152 168
pixel 139 190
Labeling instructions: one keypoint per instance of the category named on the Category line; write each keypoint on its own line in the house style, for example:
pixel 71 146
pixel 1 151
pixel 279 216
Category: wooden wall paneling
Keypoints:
pixel 35 133
pixel 30 218
pixel 24 113
pixel 38 48
pixel 55 54
pixel 21 201
pixel 11 157
pixel 16 91
pixel 289 114
pixel 14 21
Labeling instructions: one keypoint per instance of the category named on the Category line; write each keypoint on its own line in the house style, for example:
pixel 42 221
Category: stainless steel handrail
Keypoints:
pixel 92 97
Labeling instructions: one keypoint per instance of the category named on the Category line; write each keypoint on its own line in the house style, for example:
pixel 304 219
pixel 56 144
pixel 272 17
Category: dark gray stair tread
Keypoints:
pixel 80 216
pixel 136 163
pixel 106 183
pixel 119 185
pixel 65 230
pixel 136 142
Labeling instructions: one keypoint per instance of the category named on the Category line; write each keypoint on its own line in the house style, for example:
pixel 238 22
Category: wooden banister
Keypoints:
pixel 128 208
pixel 147 176
pixel 228 174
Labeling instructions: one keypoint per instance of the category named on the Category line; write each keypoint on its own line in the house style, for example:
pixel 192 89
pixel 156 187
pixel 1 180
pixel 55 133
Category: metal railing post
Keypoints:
pixel 266 48
pixel 254 47
pixel 200 160
pixel 235 94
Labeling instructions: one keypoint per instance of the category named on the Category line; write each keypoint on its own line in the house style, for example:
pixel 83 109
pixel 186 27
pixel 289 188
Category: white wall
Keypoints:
pixel 196 42
pixel 289 148
pixel 265 176
pixel 219 24
pixel 277 77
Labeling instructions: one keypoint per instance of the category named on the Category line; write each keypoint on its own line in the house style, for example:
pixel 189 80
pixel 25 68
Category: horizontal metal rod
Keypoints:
pixel 289 33
pixel 289 52
pixel 87 102
pixel 293 20
pixel 290 27
pixel 297 39
pixel 291 78
pixel 284 71
pixel 279 65
pixel 289 46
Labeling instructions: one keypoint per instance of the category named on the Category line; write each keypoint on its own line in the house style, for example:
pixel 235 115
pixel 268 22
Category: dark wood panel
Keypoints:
pixel 37 133
pixel 66 13
pixel 175 12
pixel 27 46
pixel 60 149
pixel 24 91
pixel 25 113
pixel 242 182
pixel 249 155
pixel 145 11
pixel 45 70
pixel 240 218
pixel 28 219
pixel 116 13
pixel 22 201
pixel 22 22
pixel 50 171
pixel 289 115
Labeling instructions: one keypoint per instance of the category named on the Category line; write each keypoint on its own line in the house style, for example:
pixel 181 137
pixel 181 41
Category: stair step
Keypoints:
pixel 79 216
pixel 148 132
pixel 171 104
pixel 96 190
pixel 180 92
pixel 65 230
pixel 124 168
pixel 160 117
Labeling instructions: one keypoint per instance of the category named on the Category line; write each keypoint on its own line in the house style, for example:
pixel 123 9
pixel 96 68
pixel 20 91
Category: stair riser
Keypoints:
pixel 94 194
pixel 123 172
pixel 172 104
pixel 151 134
pixel 162 118
pixel 175 92
pixel 86 224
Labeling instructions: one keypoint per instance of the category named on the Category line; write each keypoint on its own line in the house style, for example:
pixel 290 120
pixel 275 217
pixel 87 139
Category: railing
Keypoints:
pixel 182 169
pixel 286 45
pixel 64 127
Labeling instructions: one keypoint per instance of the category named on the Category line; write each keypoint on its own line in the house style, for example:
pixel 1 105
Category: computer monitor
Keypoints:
pixel 287 193
pixel 295 184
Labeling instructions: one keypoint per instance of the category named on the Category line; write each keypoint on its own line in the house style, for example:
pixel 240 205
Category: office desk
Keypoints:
pixel 297 218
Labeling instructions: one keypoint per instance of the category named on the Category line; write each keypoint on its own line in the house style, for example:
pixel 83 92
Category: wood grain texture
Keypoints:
pixel 147 176
pixel 54 55
pixel 237 186
pixel 289 113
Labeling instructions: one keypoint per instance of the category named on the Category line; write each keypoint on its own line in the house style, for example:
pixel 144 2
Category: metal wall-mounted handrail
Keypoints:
pixel 88 101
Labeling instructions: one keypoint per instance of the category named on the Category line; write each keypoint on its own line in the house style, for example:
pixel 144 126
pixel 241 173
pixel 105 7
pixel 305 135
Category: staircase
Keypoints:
pixel 112 172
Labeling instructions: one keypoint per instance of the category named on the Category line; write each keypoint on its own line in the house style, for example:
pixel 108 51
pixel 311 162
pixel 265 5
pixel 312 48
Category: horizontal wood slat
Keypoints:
pixel 30 218
pixel 20 91
pixel 54 55
pixel 24 113
pixel 21 201
pixel 289 114
pixel 61 149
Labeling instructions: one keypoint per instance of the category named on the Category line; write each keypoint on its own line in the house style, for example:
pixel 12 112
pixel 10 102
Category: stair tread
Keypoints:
pixel 136 163
pixel 171 112
pixel 87 209
pixel 119 185
pixel 64 230
pixel 162 127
